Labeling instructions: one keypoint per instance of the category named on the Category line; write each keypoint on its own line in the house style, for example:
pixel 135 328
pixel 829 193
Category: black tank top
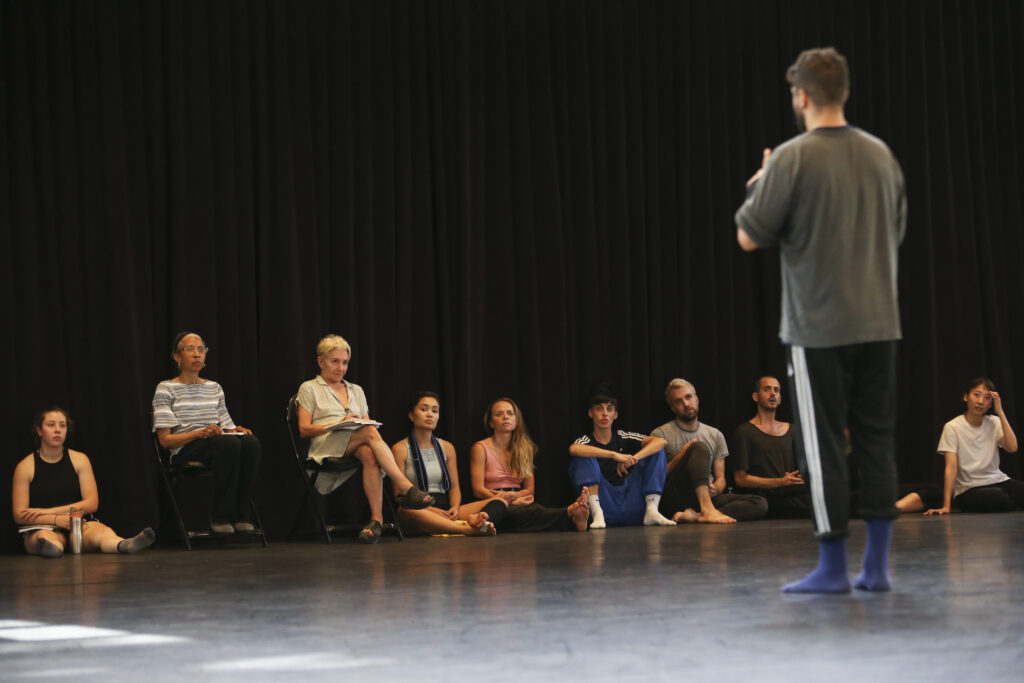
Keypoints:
pixel 54 483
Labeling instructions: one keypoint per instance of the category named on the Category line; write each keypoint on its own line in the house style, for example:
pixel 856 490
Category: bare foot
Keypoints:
pixel 579 513
pixel 715 517
pixel 479 526
pixel 687 515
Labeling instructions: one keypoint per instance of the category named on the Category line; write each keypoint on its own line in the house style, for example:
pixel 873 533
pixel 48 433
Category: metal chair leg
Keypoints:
pixel 172 500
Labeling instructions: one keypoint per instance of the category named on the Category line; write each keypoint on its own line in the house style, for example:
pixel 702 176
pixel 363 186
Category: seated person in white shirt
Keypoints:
pixel 970 443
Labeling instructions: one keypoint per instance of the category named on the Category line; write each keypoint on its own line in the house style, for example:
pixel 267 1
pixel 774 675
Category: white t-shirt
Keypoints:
pixel 977 451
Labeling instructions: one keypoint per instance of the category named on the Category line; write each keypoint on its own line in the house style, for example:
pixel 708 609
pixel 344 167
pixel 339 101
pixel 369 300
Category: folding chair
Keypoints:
pixel 171 476
pixel 309 470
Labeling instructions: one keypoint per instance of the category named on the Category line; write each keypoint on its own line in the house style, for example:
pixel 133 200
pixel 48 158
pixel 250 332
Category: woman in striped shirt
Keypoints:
pixel 191 420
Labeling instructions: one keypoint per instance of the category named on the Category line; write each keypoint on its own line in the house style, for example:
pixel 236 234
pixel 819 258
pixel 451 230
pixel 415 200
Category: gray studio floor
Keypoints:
pixel 688 603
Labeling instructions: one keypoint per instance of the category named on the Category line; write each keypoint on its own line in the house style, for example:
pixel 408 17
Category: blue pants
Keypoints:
pixel 622 505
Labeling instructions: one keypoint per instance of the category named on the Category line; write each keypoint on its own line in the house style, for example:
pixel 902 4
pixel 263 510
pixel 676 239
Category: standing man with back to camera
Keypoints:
pixel 833 200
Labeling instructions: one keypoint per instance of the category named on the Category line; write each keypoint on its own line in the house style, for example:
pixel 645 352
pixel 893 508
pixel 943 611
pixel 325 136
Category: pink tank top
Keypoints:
pixel 497 475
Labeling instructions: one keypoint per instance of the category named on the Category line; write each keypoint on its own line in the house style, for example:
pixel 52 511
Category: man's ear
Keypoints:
pixel 803 98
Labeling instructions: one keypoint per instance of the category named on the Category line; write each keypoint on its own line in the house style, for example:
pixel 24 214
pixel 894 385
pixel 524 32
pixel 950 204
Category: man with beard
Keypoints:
pixel 696 467
pixel 763 457
pixel 833 199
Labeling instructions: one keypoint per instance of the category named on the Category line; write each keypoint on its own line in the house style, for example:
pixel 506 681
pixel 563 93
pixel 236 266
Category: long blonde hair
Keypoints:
pixel 521 447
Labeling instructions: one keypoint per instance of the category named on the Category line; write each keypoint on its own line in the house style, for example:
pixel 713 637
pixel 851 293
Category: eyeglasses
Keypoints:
pixel 190 349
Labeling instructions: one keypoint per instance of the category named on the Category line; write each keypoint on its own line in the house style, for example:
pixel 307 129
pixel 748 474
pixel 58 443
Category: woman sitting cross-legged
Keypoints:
pixel 326 403
pixel 51 482
pixel 502 465
pixel 431 463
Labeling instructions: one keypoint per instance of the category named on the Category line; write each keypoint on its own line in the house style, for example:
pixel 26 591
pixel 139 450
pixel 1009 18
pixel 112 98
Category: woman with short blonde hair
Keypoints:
pixel 334 414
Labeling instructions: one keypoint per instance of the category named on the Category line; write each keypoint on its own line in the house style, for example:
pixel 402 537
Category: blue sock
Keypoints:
pixel 875 576
pixel 830 574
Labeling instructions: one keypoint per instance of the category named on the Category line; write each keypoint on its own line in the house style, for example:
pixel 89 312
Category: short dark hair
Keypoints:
pixel 602 393
pixel 37 422
pixel 984 381
pixel 757 382
pixel 420 395
pixel 823 73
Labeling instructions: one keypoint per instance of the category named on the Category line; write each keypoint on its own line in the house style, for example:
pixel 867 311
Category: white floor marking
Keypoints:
pixel 57 632
pixel 310 661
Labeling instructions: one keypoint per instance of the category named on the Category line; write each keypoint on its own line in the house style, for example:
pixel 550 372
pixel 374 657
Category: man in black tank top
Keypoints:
pixel 763 456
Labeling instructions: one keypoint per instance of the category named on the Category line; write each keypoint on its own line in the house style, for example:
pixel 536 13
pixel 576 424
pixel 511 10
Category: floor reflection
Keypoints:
pixel 704 600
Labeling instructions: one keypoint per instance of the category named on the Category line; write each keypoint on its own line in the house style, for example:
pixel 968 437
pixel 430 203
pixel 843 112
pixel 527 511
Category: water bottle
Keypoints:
pixel 76 531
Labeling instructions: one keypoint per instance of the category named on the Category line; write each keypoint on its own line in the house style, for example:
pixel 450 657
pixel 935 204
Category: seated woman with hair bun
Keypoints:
pixel 191 420
pixel 431 462
pixel 328 400
pixel 51 482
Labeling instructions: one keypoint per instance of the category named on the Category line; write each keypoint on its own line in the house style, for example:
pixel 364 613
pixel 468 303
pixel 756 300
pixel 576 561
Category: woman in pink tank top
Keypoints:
pixel 502 466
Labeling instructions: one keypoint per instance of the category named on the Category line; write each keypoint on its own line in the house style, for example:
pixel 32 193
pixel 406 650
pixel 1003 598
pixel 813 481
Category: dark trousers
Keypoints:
pixel 785 502
pixel 695 470
pixel 525 518
pixel 534 517
pixel 681 483
pixel 234 461
pixel 841 387
pixel 1006 496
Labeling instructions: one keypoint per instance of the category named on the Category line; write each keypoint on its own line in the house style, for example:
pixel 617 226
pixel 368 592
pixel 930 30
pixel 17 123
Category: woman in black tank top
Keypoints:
pixel 51 481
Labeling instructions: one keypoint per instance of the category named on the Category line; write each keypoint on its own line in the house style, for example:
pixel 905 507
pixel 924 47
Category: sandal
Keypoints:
pixel 371 532
pixel 414 499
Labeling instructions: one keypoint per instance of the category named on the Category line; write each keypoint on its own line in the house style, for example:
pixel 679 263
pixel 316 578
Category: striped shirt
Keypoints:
pixel 622 441
pixel 188 407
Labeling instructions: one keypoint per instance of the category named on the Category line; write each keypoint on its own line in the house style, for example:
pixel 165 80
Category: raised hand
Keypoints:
pixel 765 156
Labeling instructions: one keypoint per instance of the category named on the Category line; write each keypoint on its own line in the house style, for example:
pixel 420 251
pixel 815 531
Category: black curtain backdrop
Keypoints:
pixel 486 198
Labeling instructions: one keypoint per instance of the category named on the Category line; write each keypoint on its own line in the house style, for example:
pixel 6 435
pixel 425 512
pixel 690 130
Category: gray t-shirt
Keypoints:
pixel 677 437
pixel 834 201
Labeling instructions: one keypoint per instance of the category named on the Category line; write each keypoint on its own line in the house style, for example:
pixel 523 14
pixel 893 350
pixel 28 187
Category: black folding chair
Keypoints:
pixel 172 475
pixel 309 470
